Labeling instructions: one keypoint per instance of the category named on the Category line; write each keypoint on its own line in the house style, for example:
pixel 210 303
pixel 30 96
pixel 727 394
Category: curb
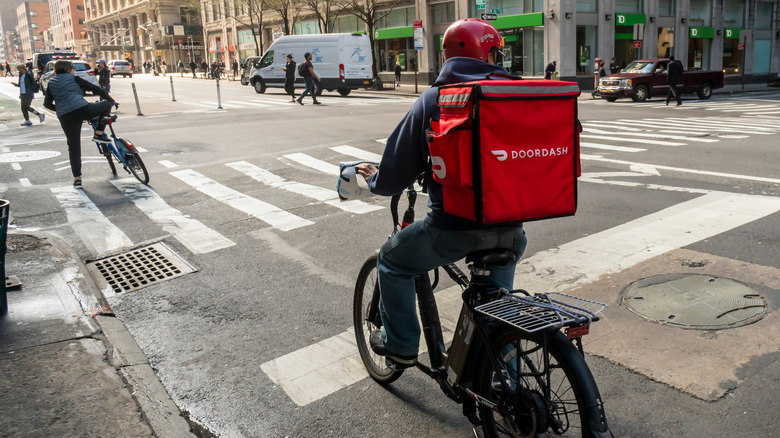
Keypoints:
pixel 124 354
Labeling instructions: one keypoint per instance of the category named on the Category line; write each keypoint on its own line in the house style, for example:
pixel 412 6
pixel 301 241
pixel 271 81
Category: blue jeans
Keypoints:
pixel 310 89
pixel 419 248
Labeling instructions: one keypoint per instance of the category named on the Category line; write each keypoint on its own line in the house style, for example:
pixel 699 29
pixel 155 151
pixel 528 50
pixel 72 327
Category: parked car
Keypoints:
pixel 645 78
pixel 41 59
pixel 341 60
pixel 81 69
pixel 246 68
pixel 119 67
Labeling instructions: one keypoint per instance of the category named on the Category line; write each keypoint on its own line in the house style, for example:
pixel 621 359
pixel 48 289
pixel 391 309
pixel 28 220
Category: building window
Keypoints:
pixel 586 49
pixel 226 8
pixel 586 6
pixel 34 25
pixel 628 6
pixel 400 17
pixel 79 7
pixel 348 24
pixel 699 53
pixel 443 13
pixel 764 14
pixel 700 13
pixel 307 27
pixel 734 13
pixel 81 21
pixel 33 14
pixel 762 53
pixel 666 7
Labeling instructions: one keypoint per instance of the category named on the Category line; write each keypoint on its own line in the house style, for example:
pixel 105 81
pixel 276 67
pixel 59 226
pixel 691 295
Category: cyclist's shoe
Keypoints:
pixel 397 360
pixel 102 138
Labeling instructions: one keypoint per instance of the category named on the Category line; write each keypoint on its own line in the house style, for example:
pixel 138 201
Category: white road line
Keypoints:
pixel 653 134
pixel 360 154
pixel 320 369
pixel 742 124
pixel 265 212
pixel 168 164
pixel 751 121
pixel 631 140
pixel 198 238
pixel 695 126
pixel 99 235
pixel 272 102
pixel 381 140
pixel 326 196
pixel 314 163
pixel 140 149
pixel 25 182
pixel 16 166
pixel 611 147
pixel 226 105
pixel 262 105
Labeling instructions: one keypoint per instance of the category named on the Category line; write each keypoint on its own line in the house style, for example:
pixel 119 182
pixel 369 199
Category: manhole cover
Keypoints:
pixel 694 301
pixel 139 268
pixel 18 157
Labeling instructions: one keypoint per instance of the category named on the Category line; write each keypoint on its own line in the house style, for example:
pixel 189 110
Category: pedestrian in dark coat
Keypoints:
pixel 103 75
pixel 26 86
pixel 193 66
pixel 289 77
pixel 235 68
pixel 550 70
pixel 614 67
pixel 398 74
pixel 674 73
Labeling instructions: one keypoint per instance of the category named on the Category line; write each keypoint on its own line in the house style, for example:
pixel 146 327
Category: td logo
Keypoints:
pixel 694 32
pixel 621 19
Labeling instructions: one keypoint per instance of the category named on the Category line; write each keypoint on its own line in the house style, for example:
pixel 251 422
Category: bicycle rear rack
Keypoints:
pixel 541 311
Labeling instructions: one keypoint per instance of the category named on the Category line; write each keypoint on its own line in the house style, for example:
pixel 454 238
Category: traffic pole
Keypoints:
pixel 219 96
pixel 173 95
pixel 137 104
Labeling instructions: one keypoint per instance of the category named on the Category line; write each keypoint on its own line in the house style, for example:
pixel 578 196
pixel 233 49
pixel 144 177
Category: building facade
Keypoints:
pixel 738 36
pixel 142 30
pixel 67 24
pixel 32 19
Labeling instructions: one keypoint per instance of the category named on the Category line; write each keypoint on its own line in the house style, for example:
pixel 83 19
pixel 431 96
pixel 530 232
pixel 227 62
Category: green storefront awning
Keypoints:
pixel 624 36
pixel 395 32
pixel 630 19
pixel 522 20
pixel 731 33
pixel 702 32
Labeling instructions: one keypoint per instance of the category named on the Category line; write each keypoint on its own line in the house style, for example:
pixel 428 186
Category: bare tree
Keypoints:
pixel 252 17
pixel 371 12
pixel 288 11
pixel 326 12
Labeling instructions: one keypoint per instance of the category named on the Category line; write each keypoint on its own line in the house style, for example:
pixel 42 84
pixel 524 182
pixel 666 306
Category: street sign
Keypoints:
pixel 489 16
pixel 418 35
pixel 639 31
pixel 481 4
pixel 745 36
pixel 178 29
pixel 741 46
pixel 637 44
pixel 495 11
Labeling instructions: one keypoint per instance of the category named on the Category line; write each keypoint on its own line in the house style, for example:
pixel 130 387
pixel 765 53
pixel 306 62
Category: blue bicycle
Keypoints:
pixel 122 150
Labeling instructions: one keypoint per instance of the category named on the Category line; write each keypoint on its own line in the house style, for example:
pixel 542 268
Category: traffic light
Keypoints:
pixel 83 35
pixel 139 31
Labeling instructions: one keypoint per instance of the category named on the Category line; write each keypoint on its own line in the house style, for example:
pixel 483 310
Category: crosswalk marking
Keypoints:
pixel 611 147
pixel 309 161
pixel 699 126
pixel 648 134
pixel 632 140
pixel 326 196
pixel 198 238
pixel 263 211
pixel 168 164
pixel 320 369
pixel 100 236
pixel 360 154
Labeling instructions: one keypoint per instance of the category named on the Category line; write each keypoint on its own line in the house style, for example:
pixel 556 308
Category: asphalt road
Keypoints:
pixel 256 342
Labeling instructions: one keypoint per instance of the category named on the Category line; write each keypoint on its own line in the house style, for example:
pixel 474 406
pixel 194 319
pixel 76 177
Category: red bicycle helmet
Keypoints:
pixel 471 38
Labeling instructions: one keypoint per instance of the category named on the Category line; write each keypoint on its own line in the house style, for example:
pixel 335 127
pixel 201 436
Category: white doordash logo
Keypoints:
pixel 502 155
pixel 439 168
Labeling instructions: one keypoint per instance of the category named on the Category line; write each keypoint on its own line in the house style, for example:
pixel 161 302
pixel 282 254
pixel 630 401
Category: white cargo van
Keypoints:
pixel 341 60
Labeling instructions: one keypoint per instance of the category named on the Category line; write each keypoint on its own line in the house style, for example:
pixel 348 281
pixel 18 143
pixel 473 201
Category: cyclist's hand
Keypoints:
pixel 116 104
pixel 366 170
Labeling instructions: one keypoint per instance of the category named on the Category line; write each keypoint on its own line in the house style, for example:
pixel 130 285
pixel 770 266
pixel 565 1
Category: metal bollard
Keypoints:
pixel 219 96
pixel 173 95
pixel 137 104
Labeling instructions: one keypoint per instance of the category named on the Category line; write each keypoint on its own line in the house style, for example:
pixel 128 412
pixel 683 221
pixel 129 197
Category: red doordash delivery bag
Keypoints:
pixel 507 150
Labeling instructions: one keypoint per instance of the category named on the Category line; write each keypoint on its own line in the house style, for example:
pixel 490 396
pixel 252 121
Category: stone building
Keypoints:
pixel 32 19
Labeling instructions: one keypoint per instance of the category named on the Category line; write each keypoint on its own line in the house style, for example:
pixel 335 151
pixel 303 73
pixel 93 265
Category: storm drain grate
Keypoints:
pixel 139 268
pixel 694 301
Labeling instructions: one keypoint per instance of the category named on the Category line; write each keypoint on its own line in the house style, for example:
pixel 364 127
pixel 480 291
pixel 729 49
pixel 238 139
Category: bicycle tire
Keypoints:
pixel 110 159
pixel 367 284
pixel 577 408
pixel 138 168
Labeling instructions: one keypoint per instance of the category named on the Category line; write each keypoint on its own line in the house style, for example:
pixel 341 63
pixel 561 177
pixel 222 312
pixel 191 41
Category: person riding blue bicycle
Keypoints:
pixel 472 50
pixel 66 90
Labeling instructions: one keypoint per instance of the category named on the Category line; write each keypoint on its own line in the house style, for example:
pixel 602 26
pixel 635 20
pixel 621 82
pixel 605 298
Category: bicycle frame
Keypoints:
pixel 119 152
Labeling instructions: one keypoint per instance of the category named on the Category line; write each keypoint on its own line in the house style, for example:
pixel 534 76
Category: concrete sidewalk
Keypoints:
pixel 68 367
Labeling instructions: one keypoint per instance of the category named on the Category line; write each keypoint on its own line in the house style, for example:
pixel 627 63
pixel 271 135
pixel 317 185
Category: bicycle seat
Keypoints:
pixel 498 256
pixel 109 119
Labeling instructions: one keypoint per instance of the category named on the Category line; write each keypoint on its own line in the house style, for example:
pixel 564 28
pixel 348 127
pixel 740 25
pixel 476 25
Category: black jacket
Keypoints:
pixel 674 72
pixel 104 77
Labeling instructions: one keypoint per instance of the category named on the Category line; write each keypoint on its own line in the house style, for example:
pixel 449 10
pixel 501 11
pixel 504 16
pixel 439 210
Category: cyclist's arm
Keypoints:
pixel 93 88
pixel 406 152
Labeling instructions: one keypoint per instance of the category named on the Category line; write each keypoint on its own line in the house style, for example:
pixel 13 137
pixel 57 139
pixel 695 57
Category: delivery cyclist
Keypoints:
pixel 472 49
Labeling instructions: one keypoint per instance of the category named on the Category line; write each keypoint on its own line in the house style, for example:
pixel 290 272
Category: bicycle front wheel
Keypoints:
pixel 110 159
pixel 138 168
pixel 366 292
pixel 560 401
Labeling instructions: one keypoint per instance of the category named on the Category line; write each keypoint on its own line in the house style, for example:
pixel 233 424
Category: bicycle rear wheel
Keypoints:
pixel 138 168
pixel 574 408
pixel 366 290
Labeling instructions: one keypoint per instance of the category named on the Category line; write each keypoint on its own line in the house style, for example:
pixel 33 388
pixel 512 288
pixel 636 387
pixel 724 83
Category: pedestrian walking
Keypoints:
pixel 2 68
pixel 674 73
pixel 601 72
pixel 8 69
pixel 163 68
pixel 27 88
pixel 103 75
pixel 550 70
pixel 180 66
pixel 309 76
pixel 205 67
pixel 193 66
pixel 65 95
pixel 397 73
pixel 289 77
pixel 613 67
pixel 235 68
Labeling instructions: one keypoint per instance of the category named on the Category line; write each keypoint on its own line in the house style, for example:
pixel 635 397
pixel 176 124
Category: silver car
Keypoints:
pixel 81 68
pixel 119 67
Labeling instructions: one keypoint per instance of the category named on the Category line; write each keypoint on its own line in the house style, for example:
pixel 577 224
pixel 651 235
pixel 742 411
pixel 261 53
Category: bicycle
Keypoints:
pixel 513 363
pixel 121 150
